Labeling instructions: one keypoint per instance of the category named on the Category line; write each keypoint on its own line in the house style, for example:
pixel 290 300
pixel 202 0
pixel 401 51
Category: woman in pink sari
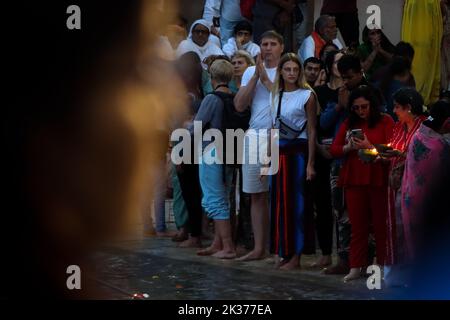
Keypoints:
pixel 427 161
pixel 408 106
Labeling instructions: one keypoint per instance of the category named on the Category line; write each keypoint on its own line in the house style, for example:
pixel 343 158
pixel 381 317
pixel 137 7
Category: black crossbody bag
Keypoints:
pixel 287 129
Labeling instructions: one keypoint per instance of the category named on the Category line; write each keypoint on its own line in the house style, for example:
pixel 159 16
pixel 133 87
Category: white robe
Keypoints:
pixel 210 48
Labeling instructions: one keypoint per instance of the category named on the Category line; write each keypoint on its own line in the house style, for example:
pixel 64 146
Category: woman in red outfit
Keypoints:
pixel 365 184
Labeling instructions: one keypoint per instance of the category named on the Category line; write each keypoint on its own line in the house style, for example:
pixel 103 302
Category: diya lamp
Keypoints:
pixel 381 148
pixel 368 155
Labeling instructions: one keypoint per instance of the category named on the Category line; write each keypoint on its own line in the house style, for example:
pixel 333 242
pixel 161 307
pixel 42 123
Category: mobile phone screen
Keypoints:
pixel 216 22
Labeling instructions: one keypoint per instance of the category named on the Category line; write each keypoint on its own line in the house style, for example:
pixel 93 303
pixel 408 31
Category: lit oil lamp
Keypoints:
pixel 381 148
pixel 368 155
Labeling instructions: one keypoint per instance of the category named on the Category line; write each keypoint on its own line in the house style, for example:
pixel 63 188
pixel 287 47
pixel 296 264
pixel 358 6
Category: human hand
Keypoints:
pixel 361 143
pixel 390 153
pixel 258 62
pixel 215 32
pixel 376 43
pixel 310 172
pixel 262 71
pixel 350 146
pixel 239 41
pixel 324 150
pixel 321 79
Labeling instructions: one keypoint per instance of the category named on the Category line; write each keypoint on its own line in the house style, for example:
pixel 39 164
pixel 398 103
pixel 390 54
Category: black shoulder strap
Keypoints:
pixel 303 128
pixel 223 95
pixel 279 111
pixel 279 103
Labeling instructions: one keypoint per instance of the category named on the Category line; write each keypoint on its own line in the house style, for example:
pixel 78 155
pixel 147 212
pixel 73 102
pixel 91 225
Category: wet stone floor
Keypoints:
pixel 156 267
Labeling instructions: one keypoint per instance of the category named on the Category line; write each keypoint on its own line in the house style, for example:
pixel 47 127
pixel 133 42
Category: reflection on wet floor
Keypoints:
pixel 156 267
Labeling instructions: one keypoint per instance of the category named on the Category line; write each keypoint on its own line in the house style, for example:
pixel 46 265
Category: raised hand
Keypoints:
pixel 257 65
pixel 239 40
pixel 321 79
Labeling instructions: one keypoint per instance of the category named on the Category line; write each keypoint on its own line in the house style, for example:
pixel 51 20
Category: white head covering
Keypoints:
pixel 208 49
pixel 203 22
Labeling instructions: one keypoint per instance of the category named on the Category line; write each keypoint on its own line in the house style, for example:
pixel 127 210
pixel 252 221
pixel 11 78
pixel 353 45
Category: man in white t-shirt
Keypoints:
pixel 255 89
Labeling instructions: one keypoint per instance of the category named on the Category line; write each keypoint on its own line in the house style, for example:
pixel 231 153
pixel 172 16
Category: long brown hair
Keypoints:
pixel 279 81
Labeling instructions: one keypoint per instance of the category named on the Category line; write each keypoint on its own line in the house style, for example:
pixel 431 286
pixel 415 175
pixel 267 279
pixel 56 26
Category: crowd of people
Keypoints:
pixel 91 113
pixel 362 145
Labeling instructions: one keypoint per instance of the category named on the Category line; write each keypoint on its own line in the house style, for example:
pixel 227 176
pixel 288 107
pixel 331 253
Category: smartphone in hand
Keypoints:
pixel 216 22
pixel 357 133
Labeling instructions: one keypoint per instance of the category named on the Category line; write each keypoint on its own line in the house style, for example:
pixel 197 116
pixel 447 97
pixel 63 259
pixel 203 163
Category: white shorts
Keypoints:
pixel 252 180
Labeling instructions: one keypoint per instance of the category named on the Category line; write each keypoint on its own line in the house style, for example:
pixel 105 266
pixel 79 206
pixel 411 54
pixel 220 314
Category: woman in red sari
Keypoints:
pixel 408 106
pixel 365 184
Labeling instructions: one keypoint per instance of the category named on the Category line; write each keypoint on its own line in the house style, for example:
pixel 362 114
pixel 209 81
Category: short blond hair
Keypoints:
pixel 244 54
pixel 221 71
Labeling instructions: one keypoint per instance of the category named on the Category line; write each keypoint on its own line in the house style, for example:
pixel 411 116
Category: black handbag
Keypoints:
pixel 286 127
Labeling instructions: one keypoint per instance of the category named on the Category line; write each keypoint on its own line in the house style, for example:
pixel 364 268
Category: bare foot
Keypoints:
pixel 322 262
pixel 252 255
pixel 241 251
pixel 279 262
pixel 208 251
pixel 191 243
pixel 181 235
pixel 354 273
pixel 272 259
pixel 149 233
pixel 206 235
pixel 225 254
pixel 166 234
pixel 290 265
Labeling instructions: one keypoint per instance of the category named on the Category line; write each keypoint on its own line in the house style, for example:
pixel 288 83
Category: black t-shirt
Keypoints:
pixel 325 95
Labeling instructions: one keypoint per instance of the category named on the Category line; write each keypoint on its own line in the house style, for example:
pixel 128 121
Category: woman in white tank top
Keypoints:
pixel 296 160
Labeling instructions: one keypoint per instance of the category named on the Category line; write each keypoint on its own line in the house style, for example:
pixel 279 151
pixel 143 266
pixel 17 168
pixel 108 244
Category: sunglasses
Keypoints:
pixel 362 107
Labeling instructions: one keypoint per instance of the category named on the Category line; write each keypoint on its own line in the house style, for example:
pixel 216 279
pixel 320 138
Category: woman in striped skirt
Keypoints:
pixel 294 101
